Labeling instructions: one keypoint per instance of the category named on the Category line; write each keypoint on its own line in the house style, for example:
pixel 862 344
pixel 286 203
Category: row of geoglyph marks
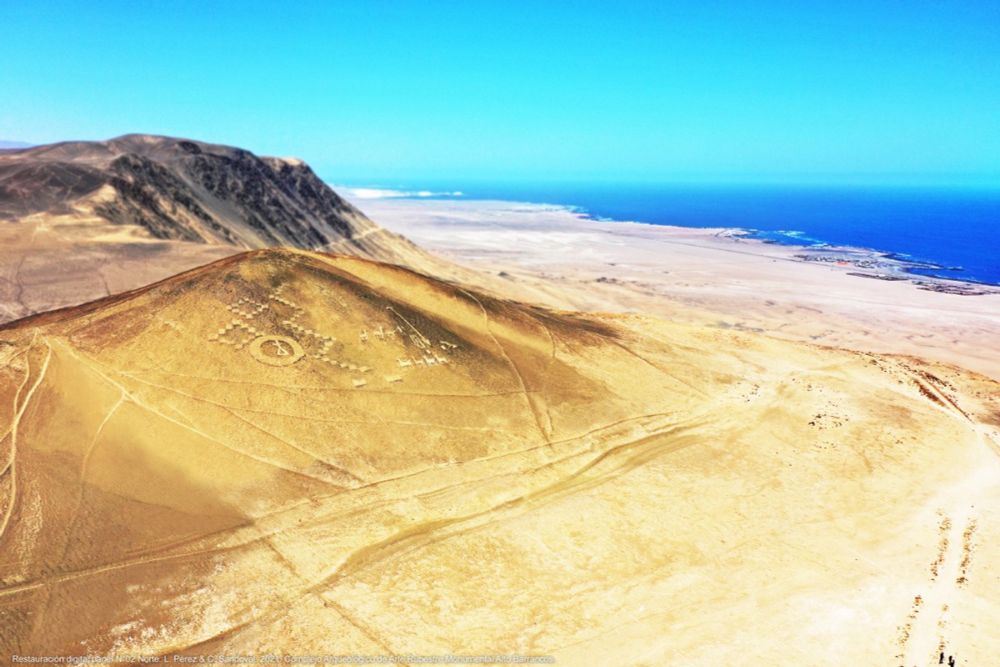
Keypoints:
pixel 237 333
pixel 240 331
pixel 275 334
pixel 426 355
pixel 251 328
pixel 323 340
pixel 247 309
pixel 426 360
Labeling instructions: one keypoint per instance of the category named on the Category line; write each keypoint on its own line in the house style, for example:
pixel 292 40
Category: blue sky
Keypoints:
pixel 870 91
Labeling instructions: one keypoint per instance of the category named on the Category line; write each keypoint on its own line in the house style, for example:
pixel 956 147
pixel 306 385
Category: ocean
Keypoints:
pixel 951 233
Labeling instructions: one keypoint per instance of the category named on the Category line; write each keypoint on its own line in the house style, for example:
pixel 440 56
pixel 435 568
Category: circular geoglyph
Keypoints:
pixel 276 350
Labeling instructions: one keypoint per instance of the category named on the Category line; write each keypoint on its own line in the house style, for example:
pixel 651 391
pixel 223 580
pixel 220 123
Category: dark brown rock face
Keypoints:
pixel 179 189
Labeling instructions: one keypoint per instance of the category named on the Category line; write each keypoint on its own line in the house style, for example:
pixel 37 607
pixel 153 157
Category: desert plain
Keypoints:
pixel 591 443
pixel 715 277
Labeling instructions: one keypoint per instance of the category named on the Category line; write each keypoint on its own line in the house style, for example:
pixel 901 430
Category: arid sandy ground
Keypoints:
pixel 45 265
pixel 283 447
pixel 47 262
pixel 550 255
pixel 286 452
pixel 81 220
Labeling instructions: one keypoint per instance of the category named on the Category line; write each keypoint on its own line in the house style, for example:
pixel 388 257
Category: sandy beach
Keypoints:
pixel 551 255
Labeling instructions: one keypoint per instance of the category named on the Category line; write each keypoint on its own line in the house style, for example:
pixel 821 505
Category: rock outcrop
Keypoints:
pixel 182 190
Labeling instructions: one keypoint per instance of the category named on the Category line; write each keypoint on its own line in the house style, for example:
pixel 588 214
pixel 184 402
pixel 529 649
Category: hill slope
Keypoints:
pixel 177 189
pixel 79 220
pixel 298 453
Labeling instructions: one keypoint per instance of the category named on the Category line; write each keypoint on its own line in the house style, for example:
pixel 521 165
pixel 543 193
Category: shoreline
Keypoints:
pixel 892 265
pixel 887 265
pixel 890 254
pixel 843 297
pixel 895 267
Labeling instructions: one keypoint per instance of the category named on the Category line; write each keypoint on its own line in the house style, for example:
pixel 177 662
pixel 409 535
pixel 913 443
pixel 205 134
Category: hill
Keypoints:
pixel 299 453
pixel 79 220
pixel 178 189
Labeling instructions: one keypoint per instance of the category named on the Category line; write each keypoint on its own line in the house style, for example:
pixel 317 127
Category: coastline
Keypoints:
pixel 938 233
pixel 880 261
pixel 872 263
pixel 883 265
pixel 853 298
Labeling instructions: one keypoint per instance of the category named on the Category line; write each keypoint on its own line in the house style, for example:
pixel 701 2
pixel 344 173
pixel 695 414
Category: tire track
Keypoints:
pixel 513 366
pixel 429 533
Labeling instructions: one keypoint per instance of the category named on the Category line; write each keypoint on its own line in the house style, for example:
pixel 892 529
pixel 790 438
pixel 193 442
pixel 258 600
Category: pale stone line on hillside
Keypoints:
pixel 139 403
pixel 513 366
pixel 11 466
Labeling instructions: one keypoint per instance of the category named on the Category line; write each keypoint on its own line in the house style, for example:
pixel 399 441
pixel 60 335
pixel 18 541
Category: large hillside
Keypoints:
pixel 80 220
pixel 296 453
pixel 178 189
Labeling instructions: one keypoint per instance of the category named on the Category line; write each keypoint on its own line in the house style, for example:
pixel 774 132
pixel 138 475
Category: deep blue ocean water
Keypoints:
pixel 957 230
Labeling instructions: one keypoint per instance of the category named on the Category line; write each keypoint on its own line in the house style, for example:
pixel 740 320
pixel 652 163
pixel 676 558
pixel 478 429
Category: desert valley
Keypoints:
pixel 241 415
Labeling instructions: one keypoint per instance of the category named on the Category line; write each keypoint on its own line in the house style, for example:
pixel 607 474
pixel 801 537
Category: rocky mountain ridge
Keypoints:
pixel 178 189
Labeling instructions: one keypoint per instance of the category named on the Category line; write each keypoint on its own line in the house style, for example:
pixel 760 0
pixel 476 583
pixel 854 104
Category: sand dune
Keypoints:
pixel 301 453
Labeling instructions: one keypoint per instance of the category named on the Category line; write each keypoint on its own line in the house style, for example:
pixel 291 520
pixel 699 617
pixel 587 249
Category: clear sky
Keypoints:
pixel 430 91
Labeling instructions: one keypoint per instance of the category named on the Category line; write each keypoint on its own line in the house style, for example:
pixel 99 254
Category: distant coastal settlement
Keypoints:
pixel 883 266
pixel 876 264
